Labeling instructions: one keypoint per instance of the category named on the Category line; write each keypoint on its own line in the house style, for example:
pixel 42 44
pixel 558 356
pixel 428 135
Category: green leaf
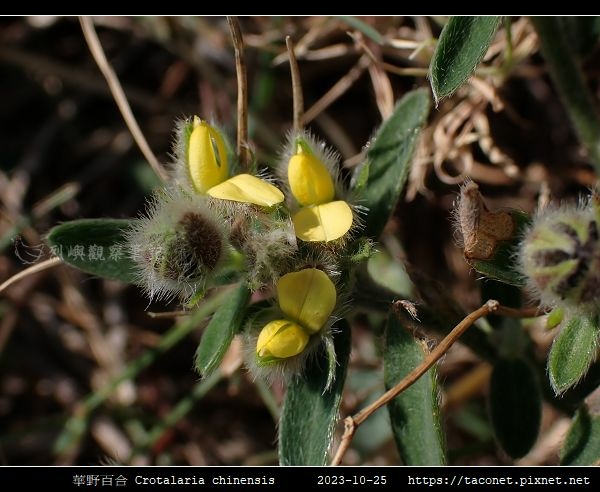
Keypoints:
pixel 502 266
pixel 554 318
pixel 390 156
pixel 570 83
pixel 582 444
pixel 360 178
pixel 572 352
pixel 581 32
pixel 415 413
pixel 217 336
pixel 462 45
pixel 363 27
pixel 309 413
pixel 515 405
pixel 96 246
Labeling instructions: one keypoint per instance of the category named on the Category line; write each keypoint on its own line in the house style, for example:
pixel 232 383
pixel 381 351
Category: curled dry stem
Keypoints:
pixel 352 423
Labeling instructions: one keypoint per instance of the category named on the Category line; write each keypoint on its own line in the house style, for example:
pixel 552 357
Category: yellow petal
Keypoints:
pixel 325 222
pixel 309 179
pixel 308 297
pixel 248 189
pixel 281 339
pixel 204 169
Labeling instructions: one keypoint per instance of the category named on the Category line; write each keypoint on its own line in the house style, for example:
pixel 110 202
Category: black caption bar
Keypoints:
pixel 117 479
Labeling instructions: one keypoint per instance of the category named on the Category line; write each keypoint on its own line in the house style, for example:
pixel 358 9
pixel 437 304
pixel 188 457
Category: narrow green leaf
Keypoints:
pixel 415 413
pixel 572 352
pixel 360 178
pixel 309 413
pixel 462 45
pixel 582 444
pixel 581 32
pixel 217 336
pixel 570 83
pixel 96 246
pixel 390 156
pixel 502 266
pixel 515 405
pixel 363 27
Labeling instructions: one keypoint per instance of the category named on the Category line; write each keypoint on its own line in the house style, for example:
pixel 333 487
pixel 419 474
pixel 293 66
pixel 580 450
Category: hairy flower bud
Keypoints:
pixel 177 247
pixel 560 255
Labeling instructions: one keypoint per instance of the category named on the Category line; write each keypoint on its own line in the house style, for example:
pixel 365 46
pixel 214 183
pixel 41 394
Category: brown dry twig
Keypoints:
pixel 352 423
pixel 338 89
pixel 298 98
pixel 242 88
pixel 91 37
pixel 39 267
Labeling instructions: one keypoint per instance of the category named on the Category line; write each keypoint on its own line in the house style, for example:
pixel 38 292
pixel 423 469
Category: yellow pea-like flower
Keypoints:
pixel 208 171
pixel 310 181
pixel 206 168
pixel 320 218
pixel 281 339
pixel 248 189
pixel 325 222
pixel 307 297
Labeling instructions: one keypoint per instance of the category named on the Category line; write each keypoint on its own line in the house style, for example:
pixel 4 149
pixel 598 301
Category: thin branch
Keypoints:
pixel 168 314
pixel 530 312
pixel 39 267
pixel 91 37
pixel 338 89
pixel 298 98
pixel 570 82
pixel 404 71
pixel 242 88
pixel 352 423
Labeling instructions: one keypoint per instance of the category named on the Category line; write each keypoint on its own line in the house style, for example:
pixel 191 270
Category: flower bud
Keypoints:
pixel 561 257
pixel 281 339
pixel 177 246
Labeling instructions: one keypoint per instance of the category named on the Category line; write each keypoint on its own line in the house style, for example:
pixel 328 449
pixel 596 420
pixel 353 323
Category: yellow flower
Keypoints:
pixel 206 168
pixel 281 339
pixel 307 298
pixel 208 171
pixel 309 179
pixel 320 218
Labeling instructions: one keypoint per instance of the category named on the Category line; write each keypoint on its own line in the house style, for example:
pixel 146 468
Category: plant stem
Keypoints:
pixel 298 98
pixel 91 37
pixel 570 83
pixel 353 422
pixel 242 87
